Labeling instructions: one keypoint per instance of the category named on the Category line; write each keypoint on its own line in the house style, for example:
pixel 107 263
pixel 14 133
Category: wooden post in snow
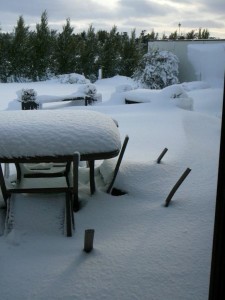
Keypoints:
pixel 88 240
pixel 176 186
pixel 161 155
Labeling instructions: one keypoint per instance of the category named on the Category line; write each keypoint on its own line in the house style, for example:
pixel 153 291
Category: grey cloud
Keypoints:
pixel 217 6
pixel 129 14
pixel 143 8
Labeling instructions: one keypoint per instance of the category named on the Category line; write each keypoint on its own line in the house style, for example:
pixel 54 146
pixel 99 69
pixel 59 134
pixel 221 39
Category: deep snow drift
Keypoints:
pixel 142 250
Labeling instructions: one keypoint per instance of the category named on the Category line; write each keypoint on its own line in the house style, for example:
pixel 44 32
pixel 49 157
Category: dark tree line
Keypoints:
pixel 39 54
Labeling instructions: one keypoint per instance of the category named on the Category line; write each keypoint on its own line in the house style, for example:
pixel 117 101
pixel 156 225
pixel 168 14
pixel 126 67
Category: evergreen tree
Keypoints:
pixel 145 38
pixel 109 55
pixel 20 51
pixel 191 35
pixel 203 34
pixel 88 53
pixel 65 50
pixel 5 59
pixel 131 54
pixel 43 45
pixel 173 35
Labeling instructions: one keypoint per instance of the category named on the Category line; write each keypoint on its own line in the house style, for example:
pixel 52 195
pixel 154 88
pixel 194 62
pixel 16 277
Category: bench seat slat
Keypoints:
pixel 35 185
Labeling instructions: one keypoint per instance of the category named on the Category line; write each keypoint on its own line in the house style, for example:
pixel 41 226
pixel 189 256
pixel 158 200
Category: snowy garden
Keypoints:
pixel 142 249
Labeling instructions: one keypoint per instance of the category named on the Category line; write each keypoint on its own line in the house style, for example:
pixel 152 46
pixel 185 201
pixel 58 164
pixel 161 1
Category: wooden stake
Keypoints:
pixel 116 170
pixel 161 155
pixel 88 240
pixel 176 186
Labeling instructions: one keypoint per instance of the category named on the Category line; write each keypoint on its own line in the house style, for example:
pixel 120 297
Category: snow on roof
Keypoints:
pixel 51 132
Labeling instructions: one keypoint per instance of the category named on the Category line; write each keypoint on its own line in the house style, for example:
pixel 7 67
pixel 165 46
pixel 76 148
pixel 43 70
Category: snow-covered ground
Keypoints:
pixel 142 250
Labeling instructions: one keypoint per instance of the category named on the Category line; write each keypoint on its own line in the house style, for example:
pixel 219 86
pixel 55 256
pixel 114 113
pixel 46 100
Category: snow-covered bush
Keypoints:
pixel 88 89
pixel 124 88
pixel 157 69
pixel 27 95
pixel 73 78
pixel 28 98
pixel 179 96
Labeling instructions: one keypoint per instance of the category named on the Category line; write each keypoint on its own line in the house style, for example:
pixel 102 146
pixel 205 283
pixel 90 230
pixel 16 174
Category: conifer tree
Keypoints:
pixel 42 41
pixel 65 50
pixel 110 58
pixel 131 53
pixel 88 53
pixel 5 59
pixel 20 51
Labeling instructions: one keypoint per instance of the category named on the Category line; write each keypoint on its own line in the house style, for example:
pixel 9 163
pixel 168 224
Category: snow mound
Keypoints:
pixel 72 78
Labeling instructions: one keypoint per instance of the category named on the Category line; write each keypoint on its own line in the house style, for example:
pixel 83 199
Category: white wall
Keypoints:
pixel 187 71
pixel 209 62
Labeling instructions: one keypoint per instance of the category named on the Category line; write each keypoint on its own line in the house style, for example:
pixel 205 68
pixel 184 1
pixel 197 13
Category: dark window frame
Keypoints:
pixel 217 276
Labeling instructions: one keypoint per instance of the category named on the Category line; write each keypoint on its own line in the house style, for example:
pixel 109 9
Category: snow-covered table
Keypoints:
pixel 36 136
pixel 57 133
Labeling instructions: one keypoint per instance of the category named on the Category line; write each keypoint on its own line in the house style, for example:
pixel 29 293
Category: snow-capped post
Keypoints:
pixel 176 186
pixel 161 155
pixel 100 73
pixel 28 99
pixel 88 240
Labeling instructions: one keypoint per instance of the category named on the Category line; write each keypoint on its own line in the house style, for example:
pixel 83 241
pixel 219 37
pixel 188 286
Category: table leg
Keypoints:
pixel 76 160
pixel 92 176
pixel 5 194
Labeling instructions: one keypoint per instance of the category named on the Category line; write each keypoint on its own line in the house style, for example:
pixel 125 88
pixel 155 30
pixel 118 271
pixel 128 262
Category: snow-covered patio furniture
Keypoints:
pixel 28 98
pixel 85 95
pixel 45 136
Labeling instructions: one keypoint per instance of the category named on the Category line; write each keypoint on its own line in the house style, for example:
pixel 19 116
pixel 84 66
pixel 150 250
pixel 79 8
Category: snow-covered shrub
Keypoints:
pixel 157 69
pixel 88 90
pixel 124 88
pixel 27 95
pixel 73 78
pixel 28 98
pixel 92 77
pixel 179 96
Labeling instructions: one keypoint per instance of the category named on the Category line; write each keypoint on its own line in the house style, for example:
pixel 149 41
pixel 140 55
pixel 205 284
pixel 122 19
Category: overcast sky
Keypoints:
pixel 161 15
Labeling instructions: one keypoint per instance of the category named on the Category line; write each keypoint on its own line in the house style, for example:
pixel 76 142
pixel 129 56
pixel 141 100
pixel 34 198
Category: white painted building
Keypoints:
pixel 195 53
